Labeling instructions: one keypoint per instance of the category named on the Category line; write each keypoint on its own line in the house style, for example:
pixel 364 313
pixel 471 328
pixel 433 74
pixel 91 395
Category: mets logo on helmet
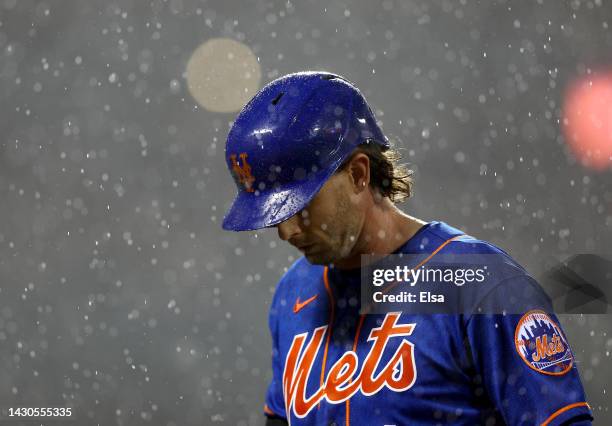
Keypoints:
pixel 343 380
pixel 242 170
pixel 541 344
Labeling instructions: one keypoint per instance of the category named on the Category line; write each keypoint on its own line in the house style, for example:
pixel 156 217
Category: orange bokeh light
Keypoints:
pixel 587 120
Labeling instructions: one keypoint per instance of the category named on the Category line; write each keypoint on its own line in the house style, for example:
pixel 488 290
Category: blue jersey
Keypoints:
pixel 333 366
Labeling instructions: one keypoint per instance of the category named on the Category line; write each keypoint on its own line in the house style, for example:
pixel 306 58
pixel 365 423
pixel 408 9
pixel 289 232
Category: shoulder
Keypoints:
pixel 507 286
pixel 451 246
pixel 453 241
pixel 461 241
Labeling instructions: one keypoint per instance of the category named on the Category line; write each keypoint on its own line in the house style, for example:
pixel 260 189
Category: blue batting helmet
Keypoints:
pixel 288 140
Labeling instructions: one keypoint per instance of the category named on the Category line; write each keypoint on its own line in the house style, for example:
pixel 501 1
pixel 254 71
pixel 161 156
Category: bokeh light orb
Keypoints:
pixel 223 75
pixel 587 120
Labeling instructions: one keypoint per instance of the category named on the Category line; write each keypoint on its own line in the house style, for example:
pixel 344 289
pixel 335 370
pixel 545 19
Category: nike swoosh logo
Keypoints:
pixel 301 305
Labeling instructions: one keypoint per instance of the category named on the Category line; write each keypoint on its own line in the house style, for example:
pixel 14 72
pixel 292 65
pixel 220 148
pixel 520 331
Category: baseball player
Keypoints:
pixel 309 159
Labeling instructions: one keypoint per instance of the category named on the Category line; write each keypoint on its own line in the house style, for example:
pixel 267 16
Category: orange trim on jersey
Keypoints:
pixel 332 312
pixel 357 333
pixel 362 317
pixel 563 410
pixel 267 410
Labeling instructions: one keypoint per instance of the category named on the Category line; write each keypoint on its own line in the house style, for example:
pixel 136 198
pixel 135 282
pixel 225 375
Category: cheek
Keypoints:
pixel 338 221
pixel 332 215
pixel 323 219
pixel 325 224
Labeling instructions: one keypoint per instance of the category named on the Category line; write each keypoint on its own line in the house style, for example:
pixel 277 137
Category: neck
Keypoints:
pixel 385 229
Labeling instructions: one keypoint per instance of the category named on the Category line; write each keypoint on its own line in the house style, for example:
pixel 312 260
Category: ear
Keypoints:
pixel 358 170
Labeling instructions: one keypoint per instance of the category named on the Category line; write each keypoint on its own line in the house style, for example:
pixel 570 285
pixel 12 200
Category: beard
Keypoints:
pixel 338 240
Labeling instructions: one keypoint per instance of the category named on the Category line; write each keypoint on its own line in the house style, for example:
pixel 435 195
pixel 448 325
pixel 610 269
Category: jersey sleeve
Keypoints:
pixel 523 362
pixel 275 405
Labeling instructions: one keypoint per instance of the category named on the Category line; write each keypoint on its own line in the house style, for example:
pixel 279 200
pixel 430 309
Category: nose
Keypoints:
pixel 289 227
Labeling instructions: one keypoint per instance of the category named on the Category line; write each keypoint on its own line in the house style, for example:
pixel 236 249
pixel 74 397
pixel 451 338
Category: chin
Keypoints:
pixel 315 260
pixel 318 259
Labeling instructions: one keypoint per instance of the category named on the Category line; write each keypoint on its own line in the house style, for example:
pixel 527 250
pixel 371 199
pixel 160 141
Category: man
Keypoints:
pixel 310 160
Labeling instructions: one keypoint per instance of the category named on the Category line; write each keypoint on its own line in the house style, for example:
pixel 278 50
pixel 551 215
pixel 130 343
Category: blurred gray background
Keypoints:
pixel 120 295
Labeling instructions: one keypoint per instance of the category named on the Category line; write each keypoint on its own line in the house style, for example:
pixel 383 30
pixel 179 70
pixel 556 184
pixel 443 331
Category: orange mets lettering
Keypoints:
pixel 243 172
pixel 295 376
pixel 398 375
pixel 545 349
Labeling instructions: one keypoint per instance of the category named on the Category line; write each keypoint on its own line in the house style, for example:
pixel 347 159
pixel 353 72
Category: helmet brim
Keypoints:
pixel 262 209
